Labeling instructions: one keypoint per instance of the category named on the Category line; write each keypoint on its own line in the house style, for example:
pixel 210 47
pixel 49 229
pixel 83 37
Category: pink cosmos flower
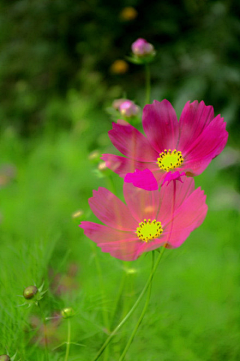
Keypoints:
pixel 188 145
pixel 148 220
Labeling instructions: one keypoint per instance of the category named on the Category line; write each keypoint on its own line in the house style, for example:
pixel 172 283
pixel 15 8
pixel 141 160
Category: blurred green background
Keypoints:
pixel 58 74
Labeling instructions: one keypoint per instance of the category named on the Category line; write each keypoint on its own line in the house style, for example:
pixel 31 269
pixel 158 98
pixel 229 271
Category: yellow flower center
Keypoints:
pixel 148 230
pixel 170 159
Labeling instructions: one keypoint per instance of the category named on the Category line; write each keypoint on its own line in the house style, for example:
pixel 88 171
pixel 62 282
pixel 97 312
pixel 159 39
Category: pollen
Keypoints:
pixel 170 159
pixel 148 230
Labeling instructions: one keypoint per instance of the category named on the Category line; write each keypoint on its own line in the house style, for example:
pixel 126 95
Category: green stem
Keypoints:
pixel 68 339
pixel 118 298
pixel 141 316
pixel 148 83
pixel 132 309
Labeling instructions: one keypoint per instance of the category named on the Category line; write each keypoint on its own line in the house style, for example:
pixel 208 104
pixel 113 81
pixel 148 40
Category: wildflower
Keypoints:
pixel 119 67
pixel 187 146
pixel 148 220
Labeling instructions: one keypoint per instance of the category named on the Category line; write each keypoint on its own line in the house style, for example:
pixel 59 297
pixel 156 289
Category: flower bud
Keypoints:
pixel 128 109
pixel 67 312
pixel 4 358
pixel 142 48
pixel 30 292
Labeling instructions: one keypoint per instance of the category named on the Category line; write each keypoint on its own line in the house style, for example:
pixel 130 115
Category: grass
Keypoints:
pixel 194 309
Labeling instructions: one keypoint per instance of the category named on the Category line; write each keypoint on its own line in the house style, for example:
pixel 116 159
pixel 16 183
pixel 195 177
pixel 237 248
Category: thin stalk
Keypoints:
pixel 68 339
pixel 141 316
pixel 148 83
pixel 113 333
pixel 122 284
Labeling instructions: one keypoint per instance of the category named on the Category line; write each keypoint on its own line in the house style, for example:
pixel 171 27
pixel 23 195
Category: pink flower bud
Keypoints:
pixel 128 108
pixel 142 48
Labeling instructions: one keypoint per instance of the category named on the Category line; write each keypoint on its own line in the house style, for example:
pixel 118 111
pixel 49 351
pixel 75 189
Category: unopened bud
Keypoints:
pixel 128 109
pixel 142 48
pixel 67 312
pixel 30 292
pixel 4 358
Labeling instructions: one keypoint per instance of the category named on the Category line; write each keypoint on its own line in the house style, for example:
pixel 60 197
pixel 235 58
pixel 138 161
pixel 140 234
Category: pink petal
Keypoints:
pixel 121 245
pixel 207 146
pixel 194 119
pixel 170 176
pixel 130 142
pixel 161 125
pixel 172 196
pixel 186 218
pixel 111 211
pixel 142 179
pixel 122 166
pixel 141 203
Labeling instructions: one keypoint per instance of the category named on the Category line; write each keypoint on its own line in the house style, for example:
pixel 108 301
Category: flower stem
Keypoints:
pixel 68 339
pixel 148 83
pixel 141 316
pixel 113 333
pixel 118 298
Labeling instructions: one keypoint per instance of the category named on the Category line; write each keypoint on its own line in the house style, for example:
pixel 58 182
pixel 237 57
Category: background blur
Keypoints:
pixel 62 63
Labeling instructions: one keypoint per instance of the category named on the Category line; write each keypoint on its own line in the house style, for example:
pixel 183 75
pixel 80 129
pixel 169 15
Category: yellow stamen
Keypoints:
pixel 149 230
pixel 170 159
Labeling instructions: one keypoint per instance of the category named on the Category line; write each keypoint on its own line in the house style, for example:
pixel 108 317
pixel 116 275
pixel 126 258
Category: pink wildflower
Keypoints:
pixel 188 145
pixel 141 47
pixel 148 220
